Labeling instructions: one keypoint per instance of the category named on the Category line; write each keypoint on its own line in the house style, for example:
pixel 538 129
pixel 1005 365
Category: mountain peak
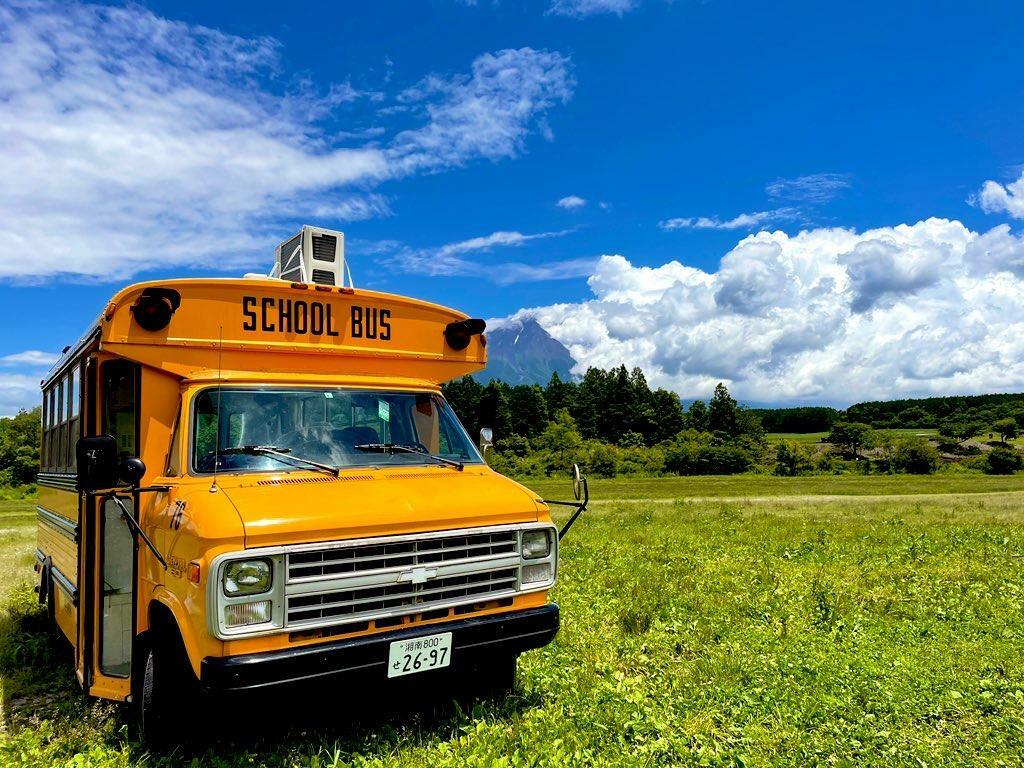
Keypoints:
pixel 520 351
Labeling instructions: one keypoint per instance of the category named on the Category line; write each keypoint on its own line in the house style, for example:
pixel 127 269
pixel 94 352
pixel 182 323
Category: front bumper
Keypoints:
pixel 471 638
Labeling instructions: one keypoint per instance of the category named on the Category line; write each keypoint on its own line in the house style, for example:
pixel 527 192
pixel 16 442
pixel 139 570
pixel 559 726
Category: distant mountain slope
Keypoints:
pixel 522 352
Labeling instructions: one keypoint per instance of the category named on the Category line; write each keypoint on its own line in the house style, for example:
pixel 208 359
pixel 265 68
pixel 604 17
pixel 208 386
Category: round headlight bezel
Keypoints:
pixel 241 578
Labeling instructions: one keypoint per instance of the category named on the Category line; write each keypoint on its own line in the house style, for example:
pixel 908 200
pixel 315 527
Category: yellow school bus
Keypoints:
pixel 250 483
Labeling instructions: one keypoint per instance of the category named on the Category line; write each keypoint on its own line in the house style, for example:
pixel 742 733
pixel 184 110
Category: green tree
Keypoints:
pixel 960 430
pixel 914 455
pixel 697 416
pixel 851 436
pixel 529 410
pixel 19 447
pixel 1007 429
pixel 1002 461
pixel 560 394
pixel 560 441
pixel 669 419
pixel 723 412
pixel 791 459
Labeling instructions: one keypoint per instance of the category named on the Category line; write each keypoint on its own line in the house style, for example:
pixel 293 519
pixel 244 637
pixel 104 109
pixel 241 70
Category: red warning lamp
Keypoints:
pixel 459 333
pixel 154 308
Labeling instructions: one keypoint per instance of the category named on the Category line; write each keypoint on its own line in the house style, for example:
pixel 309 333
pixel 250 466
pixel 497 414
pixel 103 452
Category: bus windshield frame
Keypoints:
pixel 324 424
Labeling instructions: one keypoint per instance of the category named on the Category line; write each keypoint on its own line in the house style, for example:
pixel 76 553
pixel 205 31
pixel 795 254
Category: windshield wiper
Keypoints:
pixel 281 454
pixel 392 447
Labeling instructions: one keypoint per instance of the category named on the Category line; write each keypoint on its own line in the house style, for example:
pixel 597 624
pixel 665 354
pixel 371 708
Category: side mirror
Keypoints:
pixel 131 471
pixel 486 440
pixel 577 482
pixel 97 462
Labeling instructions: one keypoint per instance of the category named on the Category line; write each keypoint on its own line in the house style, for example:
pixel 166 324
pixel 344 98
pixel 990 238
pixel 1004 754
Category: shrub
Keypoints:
pixel 1002 461
pixel 914 455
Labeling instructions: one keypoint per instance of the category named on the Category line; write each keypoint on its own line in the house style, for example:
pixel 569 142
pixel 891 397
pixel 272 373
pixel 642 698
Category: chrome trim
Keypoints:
pixel 61 524
pixel 284 588
pixel 62 581
pixel 62 481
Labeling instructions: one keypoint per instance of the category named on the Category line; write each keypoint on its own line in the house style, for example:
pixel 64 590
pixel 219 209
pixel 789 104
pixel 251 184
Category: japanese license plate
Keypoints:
pixel 418 654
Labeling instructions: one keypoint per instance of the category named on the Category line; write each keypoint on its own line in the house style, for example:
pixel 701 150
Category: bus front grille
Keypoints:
pixel 403 553
pixel 401 598
pixel 399 576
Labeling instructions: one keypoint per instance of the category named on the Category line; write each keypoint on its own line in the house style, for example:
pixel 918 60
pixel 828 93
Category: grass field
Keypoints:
pixel 817 437
pixel 706 621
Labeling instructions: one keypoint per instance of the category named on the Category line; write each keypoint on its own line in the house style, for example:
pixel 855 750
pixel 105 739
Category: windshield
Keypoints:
pixel 339 427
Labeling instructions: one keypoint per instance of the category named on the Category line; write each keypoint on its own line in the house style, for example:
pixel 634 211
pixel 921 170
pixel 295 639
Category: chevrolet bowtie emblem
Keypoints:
pixel 417 575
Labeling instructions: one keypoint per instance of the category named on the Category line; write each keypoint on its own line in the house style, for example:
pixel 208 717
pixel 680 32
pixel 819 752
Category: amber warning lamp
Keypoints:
pixel 459 333
pixel 153 309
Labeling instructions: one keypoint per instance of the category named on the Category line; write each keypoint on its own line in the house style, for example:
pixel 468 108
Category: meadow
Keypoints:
pixel 706 621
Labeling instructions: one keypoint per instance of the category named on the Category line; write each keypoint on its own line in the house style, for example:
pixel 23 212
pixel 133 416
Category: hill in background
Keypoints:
pixel 522 352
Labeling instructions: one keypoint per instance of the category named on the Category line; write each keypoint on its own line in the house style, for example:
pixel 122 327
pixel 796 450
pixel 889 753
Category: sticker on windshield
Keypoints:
pixel 384 410
pixel 329 395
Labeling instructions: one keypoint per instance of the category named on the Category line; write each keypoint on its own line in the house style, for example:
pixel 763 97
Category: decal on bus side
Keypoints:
pixel 279 315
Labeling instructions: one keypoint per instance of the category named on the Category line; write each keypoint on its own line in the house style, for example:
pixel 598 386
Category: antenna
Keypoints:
pixel 220 387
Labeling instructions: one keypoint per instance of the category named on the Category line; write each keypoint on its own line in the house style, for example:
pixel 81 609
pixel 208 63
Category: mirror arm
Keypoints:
pixel 132 523
pixel 581 507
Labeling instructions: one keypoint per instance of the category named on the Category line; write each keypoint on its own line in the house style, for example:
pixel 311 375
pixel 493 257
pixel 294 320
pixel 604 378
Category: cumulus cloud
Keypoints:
pixel 827 314
pixel 30 358
pixel 742 221
pixel 18 391
pixel 581 8
pixel 133 141
pixel 815 188
pixel 1002 198
pixel 570 202
pixel 451 261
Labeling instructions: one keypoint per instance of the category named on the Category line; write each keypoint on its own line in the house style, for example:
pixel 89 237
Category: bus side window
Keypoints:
pixel 119 406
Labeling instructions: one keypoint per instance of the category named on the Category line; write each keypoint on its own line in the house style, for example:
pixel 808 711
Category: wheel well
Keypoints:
pixel 162 624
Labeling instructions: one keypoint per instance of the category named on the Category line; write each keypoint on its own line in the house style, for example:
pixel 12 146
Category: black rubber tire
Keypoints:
pixel 165 685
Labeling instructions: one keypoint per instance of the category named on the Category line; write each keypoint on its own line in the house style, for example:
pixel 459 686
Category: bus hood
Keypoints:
pixel 298 509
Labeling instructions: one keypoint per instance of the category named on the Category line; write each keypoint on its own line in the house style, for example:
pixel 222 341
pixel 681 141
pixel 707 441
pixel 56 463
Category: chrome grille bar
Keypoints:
pixel 399 554
pixel 382 578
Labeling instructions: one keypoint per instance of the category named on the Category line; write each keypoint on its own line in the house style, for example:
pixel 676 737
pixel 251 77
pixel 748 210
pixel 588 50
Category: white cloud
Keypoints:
pixel 827 314
pixel 130 141
pixel 570 202
pixel 581 8
pixel 998 198
pixel 450 260
pixel 487 242
pixel 18 391
pixel 814 188
pixel 742 221
pixel 486 114
pixel 31 357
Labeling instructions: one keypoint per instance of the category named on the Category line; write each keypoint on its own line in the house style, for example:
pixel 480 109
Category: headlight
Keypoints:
pixel 536 544
pixel 247 577
pixel 244 614
pixel 537 572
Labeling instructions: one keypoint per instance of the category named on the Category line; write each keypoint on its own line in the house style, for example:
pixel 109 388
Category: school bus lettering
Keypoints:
pixel 300 316
pixel 192 515
pixel 282 315
pixel 371 323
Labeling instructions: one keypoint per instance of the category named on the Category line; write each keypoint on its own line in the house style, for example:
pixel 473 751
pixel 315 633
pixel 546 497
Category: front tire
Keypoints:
pixel 164 683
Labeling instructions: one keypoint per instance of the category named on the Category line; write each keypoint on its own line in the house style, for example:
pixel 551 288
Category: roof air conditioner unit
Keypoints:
pixel 314 255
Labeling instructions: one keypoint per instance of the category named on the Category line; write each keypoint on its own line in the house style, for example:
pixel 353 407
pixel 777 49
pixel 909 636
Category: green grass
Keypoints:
pixel 817 437
pixel 706 621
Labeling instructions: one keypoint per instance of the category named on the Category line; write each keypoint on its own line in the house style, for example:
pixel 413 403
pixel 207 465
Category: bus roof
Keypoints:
pixel 250 329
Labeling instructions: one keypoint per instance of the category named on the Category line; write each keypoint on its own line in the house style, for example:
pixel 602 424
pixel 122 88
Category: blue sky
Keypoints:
pixel 635 175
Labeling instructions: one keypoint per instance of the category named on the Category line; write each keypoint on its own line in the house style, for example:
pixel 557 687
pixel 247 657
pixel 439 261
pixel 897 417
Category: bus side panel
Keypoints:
pixel 59 543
